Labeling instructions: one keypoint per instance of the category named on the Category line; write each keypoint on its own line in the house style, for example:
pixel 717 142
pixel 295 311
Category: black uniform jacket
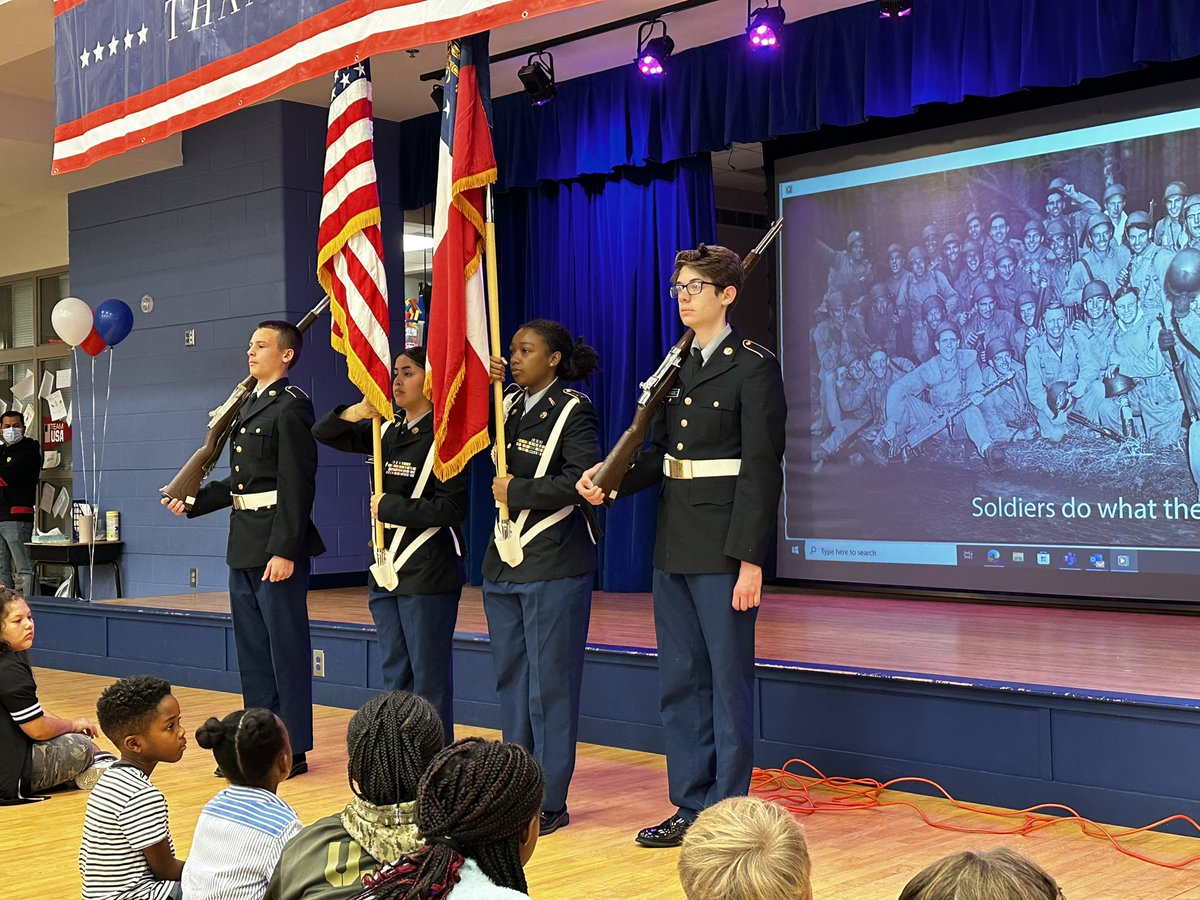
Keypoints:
pixel 20 467
pixel 732 408
pixel 271 448
pixel 565 548
pixel 436 566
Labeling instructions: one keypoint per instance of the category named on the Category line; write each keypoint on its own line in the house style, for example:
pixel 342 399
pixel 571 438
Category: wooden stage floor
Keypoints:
pixel 1126 653
pixel 857 855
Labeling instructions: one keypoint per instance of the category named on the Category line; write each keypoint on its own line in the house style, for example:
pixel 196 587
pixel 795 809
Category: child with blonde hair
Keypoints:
pixel 744 848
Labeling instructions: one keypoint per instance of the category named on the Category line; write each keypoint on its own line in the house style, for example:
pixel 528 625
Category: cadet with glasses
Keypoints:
pixel 716 446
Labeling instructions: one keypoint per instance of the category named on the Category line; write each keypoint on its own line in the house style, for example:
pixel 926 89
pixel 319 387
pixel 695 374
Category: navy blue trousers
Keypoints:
pixel 274 652
pixel 706 677
pixel 416 639
pixel 538 633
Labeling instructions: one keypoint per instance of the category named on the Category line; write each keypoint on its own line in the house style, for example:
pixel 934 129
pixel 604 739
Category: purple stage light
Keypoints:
pixel 649 65
pixel 653 52
pixel 764 27
pixel 894 9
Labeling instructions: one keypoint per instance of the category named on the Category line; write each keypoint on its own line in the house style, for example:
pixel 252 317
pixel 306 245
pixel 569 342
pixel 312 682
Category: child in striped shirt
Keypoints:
pixel 242 830
pixel 127 849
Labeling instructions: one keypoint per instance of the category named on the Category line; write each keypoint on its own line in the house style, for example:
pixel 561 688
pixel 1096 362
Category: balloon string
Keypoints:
pixel 100 468
pixel 77 421
pixel 95 490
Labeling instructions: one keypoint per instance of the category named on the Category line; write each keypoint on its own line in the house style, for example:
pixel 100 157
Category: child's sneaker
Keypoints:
pixel 86 780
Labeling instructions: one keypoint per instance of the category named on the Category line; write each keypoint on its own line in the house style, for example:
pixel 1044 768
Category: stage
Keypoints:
pixel 1009 705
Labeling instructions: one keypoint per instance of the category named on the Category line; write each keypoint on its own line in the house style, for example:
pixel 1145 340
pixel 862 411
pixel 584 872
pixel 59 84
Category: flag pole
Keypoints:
pixel 377 467
pixel 493 292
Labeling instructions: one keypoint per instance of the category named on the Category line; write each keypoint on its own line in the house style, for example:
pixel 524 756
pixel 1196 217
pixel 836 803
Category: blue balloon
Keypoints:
pixel 114 321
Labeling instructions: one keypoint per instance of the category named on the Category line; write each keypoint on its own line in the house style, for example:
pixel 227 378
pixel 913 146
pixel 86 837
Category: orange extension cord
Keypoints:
pixel 794 793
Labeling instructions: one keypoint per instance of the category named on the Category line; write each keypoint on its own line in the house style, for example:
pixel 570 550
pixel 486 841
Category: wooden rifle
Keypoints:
pixel 186 483
pixel 654 390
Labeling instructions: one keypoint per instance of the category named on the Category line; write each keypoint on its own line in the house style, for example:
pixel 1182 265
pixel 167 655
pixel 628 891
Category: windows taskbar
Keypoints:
pixel 1060 557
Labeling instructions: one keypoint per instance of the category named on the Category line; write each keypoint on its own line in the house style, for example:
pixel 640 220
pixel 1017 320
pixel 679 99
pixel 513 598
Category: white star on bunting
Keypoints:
pixel 98 52
pixel 85 58
pixel 112 46
pixel 142 34
pixel 128 39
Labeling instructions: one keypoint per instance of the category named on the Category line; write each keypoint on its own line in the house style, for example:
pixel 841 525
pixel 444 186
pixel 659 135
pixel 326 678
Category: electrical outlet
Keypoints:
pixel 189 338
pixel 191 578
pixel 318 664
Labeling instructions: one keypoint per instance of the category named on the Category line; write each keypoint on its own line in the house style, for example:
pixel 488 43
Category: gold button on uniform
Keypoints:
pixel 237 449
pixel 729 351
pixel 243 431
pixel 683 424
pixel 679 446
pixel 241 487
pixel 687 401
pixel 716 403
pixel 237 468
pixel 258 431
pixel 271 393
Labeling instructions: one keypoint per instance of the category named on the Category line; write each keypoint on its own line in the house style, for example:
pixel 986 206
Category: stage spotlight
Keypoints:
pixel 894 9
pixel 652 52
pixel 438 95
pixel 764 26
pixel 537 75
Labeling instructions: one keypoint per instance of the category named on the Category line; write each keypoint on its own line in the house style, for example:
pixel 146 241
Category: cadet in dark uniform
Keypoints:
pixel 716 447
pixel 538 610
pixel 271 483
pixel 416 620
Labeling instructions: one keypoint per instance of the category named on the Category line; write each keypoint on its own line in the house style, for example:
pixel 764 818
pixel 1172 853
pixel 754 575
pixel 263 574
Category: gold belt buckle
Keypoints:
pixel 681 468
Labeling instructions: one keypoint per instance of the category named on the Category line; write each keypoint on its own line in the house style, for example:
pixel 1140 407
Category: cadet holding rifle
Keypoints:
pixel 271 483
pixel 717 440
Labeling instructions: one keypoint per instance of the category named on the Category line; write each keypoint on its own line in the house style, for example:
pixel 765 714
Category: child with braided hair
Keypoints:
pixel 478 806
pixel 242 830
pixel 390 741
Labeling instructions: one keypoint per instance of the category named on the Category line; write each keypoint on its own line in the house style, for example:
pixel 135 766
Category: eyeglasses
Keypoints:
pixel 693 287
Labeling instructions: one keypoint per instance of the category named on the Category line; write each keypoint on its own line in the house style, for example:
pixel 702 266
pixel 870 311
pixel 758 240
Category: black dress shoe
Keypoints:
pixel 668 833
pixel 550 822
pixel 299 765
pixel 217 771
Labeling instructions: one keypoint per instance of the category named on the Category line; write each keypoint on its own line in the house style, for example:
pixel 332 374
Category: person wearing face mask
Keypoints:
pixel 20 466
pixel 414 619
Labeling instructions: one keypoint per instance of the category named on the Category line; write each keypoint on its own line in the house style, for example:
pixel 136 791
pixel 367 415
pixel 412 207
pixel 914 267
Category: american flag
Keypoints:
pixel 126 76
pixel 349 246
pixel 458 347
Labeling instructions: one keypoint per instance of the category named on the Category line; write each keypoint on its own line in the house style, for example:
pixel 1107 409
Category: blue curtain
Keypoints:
pixel 837 69
pixel 596 254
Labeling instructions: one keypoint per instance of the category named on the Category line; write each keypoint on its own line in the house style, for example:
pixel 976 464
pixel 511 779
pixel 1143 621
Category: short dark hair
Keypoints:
pixel 12 414
pixel 288 337
pixel 127 706
pixel 717 264
pixel 245 744
pixel 416 354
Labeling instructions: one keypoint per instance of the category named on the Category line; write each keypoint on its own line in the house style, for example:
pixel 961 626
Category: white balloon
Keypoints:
pixel 72 320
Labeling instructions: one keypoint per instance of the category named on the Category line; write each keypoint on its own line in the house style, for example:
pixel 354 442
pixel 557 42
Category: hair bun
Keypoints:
pixel 211 734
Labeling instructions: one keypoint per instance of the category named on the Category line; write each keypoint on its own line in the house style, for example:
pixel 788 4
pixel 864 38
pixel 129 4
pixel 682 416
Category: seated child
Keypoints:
pixel 479 806
pixel 127 849
pixel 390 741
pixel 744 848
pixel 242 830
pixel 38 750
pixel 1001 874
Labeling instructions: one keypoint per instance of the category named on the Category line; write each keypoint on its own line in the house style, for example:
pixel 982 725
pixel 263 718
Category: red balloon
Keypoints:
pixel 93 343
